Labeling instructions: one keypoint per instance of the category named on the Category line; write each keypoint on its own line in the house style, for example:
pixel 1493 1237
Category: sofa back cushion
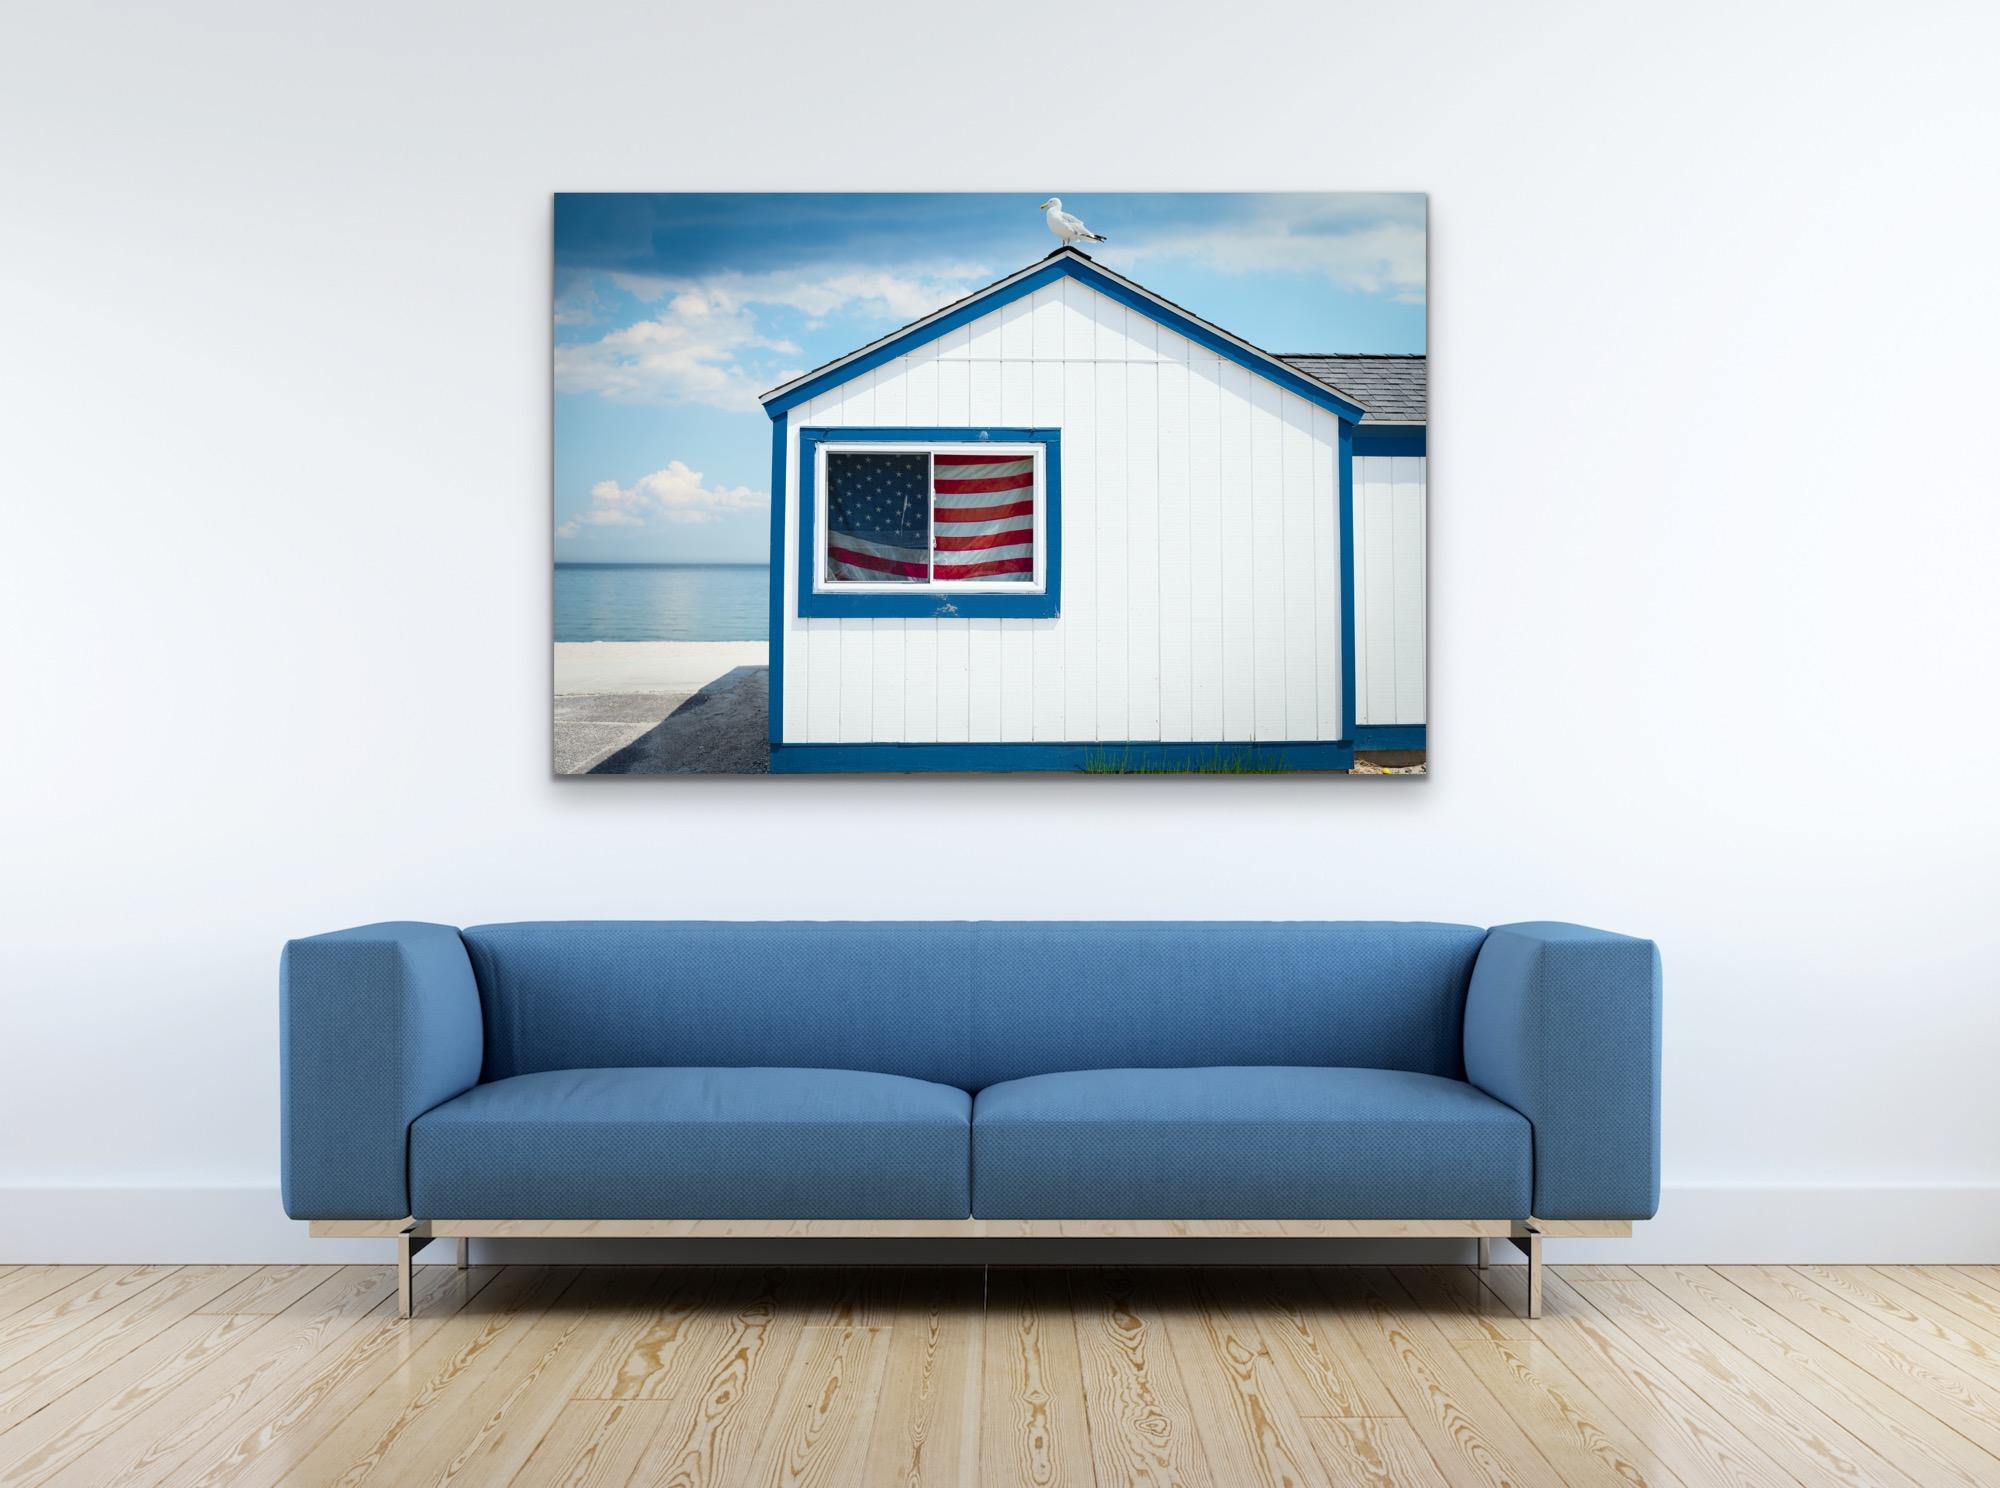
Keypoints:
pixel 972 1003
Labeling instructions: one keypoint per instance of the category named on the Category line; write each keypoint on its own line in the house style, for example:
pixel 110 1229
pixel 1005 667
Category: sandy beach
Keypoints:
pixel 661 707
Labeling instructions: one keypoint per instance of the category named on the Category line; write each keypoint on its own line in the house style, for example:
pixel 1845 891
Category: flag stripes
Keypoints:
pixel 976 536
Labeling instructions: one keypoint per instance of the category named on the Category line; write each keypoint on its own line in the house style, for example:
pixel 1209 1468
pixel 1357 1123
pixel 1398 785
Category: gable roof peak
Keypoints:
pixel 1065 261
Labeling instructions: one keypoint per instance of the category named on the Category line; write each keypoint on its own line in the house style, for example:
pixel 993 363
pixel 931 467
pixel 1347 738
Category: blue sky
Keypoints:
pixel 672 312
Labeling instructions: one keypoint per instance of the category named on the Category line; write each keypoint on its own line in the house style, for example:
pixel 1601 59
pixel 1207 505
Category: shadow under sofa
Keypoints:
pixel 998 1079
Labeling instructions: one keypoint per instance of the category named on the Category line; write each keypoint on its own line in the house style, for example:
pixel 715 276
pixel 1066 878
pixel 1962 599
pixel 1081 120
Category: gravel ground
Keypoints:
pixel 720 728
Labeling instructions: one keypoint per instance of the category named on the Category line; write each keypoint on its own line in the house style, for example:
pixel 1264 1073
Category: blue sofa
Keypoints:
pixel 976 1078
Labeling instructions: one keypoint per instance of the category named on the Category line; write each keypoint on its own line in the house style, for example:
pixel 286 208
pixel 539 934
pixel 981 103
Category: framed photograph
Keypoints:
pixel 1102 484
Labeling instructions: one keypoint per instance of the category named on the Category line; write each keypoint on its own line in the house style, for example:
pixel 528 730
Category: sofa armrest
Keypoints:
pixel 375 1026
pixel 1563 1024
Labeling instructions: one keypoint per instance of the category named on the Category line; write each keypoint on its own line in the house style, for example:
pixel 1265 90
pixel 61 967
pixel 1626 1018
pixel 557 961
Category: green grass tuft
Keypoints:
pixel 1219 762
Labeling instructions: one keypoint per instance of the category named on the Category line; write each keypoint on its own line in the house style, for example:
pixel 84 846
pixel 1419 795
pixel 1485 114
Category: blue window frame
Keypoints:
pixel 822 595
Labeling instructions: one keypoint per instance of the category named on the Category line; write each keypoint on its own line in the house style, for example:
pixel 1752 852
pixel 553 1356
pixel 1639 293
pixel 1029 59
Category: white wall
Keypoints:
pixel 1713 541
pixel 1200 591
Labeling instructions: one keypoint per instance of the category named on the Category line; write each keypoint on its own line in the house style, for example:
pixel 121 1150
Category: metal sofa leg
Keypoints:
pixel 1485 1252
pixel 464 1252
pixel 1530 1245
pixel 407 1246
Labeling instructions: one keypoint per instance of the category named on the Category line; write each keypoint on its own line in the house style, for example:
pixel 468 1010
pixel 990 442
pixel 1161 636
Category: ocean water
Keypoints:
pixel 662 601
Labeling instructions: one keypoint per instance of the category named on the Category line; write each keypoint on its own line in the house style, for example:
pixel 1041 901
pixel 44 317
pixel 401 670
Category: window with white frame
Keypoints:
pixel 895 517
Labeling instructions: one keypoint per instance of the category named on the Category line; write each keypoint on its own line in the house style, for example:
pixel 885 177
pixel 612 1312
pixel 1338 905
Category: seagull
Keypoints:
pixel 1069 229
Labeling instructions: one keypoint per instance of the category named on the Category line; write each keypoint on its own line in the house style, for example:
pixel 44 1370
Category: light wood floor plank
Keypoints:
pixel 263 1446
pixel 271 1289
pixel 1963 1403
pixel 1468 1435
pixel 718 1384
pixel 36 1326
pixel 148 1448
pixel 1932 1450
pixel 845 1296
pixel 75 1357
pixel 1265 1309
pixel 24 1286
pixel 1247 1423
pixel 1466 1306
pixel 134 1435
pixel 1302 1327
pixel 64 1429
pixel 1790 1428
pixel 1697 1444
pixel 927 1429
pixel 636 1364
pixel 1985 1279
pixel 826 1408
pixel 1952 1290
pixel 517 1403
pixel 1141 1426
pixel 1942 1331
pixel 1031 1410
pixel 595 1443
pixel 420 1396
pixel 1373 1452
pixel 1557 1413
pixel 1580 1435
pixel 1301 1332
pixel 1727 1377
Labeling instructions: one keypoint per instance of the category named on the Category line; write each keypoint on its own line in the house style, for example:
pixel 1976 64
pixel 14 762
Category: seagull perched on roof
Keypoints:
pixel 1070 229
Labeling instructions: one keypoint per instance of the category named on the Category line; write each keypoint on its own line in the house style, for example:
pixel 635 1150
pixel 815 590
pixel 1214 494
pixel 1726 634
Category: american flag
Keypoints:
pixel 880 522
pixel 985 517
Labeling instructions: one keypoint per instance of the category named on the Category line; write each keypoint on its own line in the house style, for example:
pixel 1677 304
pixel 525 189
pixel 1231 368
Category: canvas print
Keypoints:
pixel 1097 483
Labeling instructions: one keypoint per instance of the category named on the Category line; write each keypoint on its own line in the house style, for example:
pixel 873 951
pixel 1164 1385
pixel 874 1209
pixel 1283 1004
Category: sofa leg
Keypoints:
pixel 1485 1252
pixel 404 1254
pixel 1530 1245
pixel 464 1252
pixel 407 1246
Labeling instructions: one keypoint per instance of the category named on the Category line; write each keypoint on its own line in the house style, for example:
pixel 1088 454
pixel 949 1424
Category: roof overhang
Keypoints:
pixel 1064 263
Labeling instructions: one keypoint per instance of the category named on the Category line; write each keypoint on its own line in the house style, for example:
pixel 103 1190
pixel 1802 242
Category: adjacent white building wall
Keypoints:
pixel 1389 546
pixel 1200 587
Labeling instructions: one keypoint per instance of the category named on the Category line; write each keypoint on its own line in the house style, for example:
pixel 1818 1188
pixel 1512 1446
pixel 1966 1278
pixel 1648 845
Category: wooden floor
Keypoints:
pixel 1734 1375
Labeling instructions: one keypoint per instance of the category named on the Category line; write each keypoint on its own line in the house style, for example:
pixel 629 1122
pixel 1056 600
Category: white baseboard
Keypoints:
pixel 1945 1224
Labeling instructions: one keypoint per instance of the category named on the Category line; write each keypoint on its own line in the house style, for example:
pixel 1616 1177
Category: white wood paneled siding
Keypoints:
pixel 1200 510
pixel 1389 588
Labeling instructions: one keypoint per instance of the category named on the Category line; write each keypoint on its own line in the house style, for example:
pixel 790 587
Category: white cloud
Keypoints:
pixel 703 344
pixel 1374 245
pixel 691 352
pixel 676 494
pixel 577 303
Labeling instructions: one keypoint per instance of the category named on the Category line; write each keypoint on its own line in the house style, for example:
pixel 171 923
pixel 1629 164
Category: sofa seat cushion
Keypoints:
pixel 695 1143
pixel 1247 1142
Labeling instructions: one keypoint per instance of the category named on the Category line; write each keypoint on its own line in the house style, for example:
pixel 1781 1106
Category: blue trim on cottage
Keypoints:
pixel 941 603
pixel 776 639
pixel 1389 439
pixel 1138 757
pixel 1064 263
pixel 1389 736
pixel 1347 663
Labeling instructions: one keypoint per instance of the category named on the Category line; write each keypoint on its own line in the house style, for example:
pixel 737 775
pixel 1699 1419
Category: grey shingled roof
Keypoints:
pixel 1392 388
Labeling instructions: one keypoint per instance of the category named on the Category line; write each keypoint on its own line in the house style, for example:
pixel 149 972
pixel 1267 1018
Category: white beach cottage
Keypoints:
pixel 1064 524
